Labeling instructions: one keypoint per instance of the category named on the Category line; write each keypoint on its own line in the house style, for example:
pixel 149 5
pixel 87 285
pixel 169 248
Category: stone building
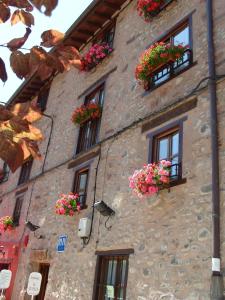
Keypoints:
pixel 159 247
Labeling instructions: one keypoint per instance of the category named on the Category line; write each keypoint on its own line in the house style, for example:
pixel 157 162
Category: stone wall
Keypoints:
pixel 171 233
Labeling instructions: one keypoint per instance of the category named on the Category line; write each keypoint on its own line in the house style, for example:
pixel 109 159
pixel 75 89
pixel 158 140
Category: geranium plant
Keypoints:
pixel 154 58
pixel 85 113
pixel 6 224
pixel 67 204
pixel 149 180
pixel 95 55
pixel 149 8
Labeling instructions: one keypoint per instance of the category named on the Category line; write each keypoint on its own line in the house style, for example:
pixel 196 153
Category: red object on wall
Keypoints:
pixel 26 240
pixel 9 255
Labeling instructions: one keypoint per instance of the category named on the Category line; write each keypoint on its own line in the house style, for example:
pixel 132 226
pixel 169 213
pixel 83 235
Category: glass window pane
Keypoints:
pixel 163 148
pixel 175 144
pixel 182 37
pixel 83 181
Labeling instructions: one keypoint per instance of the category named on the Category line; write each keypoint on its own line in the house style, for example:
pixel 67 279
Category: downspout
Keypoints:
pixel 216 291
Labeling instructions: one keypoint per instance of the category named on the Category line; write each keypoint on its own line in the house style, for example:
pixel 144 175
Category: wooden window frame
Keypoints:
pixel 101 35
pixel 5 173
pixel 43 98
pixel 25 171
pixel 165 131
pixel 99 271
pixel 186 22
pixel 83 145
pixel 76 182
pixel 17 210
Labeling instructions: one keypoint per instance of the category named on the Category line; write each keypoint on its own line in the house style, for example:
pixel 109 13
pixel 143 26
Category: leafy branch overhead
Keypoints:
pixel 18 137
pixel 36 59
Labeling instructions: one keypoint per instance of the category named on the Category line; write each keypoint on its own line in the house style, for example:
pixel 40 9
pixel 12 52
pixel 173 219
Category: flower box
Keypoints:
pixel 85 113
pixel 6 224
pixel 150 8
pixel 67 204
pixel 149 180
pixel 95 56
pixel 154 58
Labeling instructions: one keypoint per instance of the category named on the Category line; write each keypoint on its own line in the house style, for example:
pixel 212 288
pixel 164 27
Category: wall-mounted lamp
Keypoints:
pixel 33 228
pixel 104 209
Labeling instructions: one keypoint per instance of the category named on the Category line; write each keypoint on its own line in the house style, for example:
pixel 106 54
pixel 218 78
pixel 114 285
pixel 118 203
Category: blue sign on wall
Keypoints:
pixel 62 241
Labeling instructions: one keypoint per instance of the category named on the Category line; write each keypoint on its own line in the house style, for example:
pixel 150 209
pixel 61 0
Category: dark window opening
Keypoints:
pixel 80 186
pixel 88 135
pixel 25 171
pixel 106 36
pixel 43 98
pixel 17 210
pixel 44 270
pixel 4 173
pixel 182 35
pixel 111 277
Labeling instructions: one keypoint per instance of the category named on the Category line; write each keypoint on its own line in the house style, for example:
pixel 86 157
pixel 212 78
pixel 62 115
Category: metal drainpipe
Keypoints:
pixel 216 292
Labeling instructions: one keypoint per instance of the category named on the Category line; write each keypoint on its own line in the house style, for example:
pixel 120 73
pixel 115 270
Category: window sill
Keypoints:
pixel 177 182
pixel 146 93
pixel 84 156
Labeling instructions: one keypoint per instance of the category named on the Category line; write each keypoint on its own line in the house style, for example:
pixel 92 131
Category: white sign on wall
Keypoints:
pixel 34 284
pixel 5 279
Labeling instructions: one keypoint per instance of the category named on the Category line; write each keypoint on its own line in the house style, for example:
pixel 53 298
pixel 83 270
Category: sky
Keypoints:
pixel 62 18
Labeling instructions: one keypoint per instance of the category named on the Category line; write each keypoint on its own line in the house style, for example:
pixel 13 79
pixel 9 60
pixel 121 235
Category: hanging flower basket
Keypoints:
pixel 149 180
pixel 6 224
pixel 95 55
pixel 85 113
pixel 149 8
pixel 67 204
pixel 155 58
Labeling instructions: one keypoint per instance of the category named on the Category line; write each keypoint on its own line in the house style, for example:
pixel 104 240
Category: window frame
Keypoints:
pixel 17 210
pixel 25 171
pixel 100 37
pixel 78 173
pixel 42 98
pixel 83 145
pixel 186 22
pixel 99 271
pixel 153 137
pixel 6 171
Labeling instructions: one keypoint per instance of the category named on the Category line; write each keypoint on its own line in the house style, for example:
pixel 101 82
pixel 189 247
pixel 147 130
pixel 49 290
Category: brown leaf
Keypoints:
pixel 30 148
pixel 5 114
pixel 17 43
pixel 3 73
pixel 33 134
pixel 27 111
pixel 49 5
pixel 18 124
pixel 44 71
pixel 22 16
pixel 69 55
pixel 20 4
pixel 38 55
pixel 10 152
pixel 4 13
pixel 19 63
pixel 51 38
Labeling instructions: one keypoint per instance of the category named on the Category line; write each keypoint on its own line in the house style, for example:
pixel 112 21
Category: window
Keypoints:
pixel 111 276
pixel 44 270
pixel 25 171
pixel 166 146
pixel 17 210
pixel 167 143
pixel 181 35
pixel 106 36
pixel 88 134
pixel 43 98
pixel 4 173
pixel 80 185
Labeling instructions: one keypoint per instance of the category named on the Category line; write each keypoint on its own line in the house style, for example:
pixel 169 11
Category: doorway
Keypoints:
pixel 44 270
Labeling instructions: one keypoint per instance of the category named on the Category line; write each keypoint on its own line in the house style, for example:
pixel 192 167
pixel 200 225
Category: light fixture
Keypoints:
pixel 104 209
pixel 31 226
